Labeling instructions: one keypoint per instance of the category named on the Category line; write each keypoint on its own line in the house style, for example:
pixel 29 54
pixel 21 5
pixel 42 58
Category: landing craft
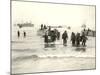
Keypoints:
pixel 56 26
pixel 25 25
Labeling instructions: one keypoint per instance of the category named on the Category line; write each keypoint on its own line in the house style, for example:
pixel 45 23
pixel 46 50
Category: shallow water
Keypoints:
pixel 30 54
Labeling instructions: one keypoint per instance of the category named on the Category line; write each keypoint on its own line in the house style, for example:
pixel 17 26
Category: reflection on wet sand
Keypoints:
pixel 83 49
pixel 47 45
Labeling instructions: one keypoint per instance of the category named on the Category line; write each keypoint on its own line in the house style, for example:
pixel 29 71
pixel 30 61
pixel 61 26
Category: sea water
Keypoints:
pixel 30 54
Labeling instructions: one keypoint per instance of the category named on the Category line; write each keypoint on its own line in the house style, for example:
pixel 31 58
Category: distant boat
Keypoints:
pixel 25 25
pixel 56 26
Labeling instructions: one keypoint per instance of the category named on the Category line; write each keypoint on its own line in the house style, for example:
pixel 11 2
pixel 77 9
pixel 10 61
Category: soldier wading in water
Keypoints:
pixel 78 39
pixel 65 37
pixel 73 38
pixel 84 38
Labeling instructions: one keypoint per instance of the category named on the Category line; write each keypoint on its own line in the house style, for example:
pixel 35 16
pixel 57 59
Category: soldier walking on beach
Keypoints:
pixel 18 33
pixel 65 37
pixel 24 34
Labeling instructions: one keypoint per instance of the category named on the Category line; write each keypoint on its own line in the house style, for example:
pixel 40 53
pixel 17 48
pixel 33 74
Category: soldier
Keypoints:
pixel 49 31
pixel 84 38
pixel 41 26
pixel 58 35
pixel 78 39
pixel 73 37
pixel 45 27
pixel 65 37
pixel 18 33
pixel 24 34
pixel 53 36
pixel 49 28
pixel 46 38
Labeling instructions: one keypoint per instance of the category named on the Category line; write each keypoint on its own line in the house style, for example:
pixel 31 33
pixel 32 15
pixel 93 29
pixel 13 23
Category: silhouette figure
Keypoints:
pixel 18 33
pixel 24 34
pixel 78 39
pixel 84 38
pixel 73 37
pixel 65 37
pixel 45 38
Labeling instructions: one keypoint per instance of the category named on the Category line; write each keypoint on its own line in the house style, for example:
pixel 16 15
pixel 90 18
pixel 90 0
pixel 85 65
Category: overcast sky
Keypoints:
pixel 53 14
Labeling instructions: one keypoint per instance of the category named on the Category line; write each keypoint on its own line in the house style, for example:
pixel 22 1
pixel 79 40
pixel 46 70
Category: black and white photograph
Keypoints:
pixel 52 37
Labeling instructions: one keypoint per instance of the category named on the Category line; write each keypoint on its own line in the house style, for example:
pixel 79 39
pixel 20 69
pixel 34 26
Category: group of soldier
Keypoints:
pixel 19 34
pixel 76 39
pixel 53 35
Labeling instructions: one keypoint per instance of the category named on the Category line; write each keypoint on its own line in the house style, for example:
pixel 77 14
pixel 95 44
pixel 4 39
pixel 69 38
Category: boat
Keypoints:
pixel 20 25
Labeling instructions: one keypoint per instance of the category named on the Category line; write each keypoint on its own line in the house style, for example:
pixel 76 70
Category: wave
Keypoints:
pixel 34 57
pixel 17 41
pixel 37 57
pixel 24 50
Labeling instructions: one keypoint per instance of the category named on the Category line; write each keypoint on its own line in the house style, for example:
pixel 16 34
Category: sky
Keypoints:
pixel 53 14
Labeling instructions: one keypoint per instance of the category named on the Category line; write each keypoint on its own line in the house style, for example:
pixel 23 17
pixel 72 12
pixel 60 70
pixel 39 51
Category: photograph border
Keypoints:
pixel 46 3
